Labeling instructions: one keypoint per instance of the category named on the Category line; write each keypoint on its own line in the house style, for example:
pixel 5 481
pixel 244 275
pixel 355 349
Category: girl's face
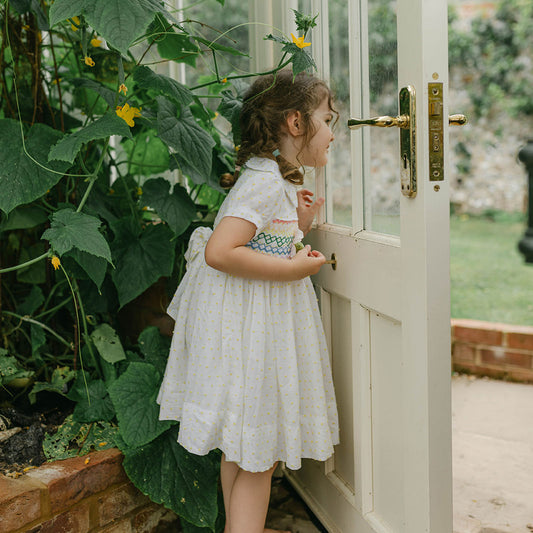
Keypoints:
pixel 315 153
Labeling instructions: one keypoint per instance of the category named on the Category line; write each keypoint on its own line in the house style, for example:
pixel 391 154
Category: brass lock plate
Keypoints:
pixel 436 132
pixel 408 142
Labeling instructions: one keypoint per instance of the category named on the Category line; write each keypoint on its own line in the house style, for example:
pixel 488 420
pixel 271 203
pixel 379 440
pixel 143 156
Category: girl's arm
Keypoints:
pixel 306 209
pixel 226 251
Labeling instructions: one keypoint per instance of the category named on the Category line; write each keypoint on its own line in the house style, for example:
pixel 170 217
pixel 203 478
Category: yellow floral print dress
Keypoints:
pixel 248 370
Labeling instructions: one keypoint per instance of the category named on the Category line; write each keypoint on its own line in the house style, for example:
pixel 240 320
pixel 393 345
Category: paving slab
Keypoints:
pixel 492 427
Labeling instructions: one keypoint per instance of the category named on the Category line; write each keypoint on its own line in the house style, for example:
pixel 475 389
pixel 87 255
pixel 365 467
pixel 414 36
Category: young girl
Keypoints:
pixel 248 370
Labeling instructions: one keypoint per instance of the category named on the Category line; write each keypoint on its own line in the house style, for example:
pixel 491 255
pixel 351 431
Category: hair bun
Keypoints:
pixel 227 180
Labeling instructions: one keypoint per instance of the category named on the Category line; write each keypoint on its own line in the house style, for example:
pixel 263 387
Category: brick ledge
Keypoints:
pixel 82 494
pixel 493 349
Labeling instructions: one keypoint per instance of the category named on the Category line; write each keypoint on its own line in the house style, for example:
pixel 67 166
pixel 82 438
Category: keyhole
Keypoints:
pixel 404 157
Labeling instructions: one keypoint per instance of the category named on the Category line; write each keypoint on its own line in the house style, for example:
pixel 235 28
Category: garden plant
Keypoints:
pixel 91 136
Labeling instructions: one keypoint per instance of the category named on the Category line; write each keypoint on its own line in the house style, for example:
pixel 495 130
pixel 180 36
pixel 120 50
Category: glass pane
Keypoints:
pixel 338 173
pixel 382 179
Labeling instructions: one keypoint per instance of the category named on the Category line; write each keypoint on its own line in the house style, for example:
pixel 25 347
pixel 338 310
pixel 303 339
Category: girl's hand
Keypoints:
pixel 306 209
pixel 307 262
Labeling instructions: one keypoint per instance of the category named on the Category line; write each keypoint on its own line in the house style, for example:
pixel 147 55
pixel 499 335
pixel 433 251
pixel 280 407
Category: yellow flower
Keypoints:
pixel 299 41
pixel 89 62
pixel 139 191
pixel 76 21
pixel 128 113
pixel 102 443
pixel 225 80
pixel 55 262
pixel 123 89
pixel 26 27
pixel 96 42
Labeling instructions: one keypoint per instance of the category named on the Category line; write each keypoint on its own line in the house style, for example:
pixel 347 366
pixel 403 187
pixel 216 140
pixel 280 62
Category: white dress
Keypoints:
pixel 248 370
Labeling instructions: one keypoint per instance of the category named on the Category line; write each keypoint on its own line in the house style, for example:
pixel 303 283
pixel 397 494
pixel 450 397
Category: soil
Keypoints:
pixel 22 434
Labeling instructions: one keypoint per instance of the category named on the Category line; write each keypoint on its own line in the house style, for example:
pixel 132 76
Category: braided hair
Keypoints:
pixel 267 104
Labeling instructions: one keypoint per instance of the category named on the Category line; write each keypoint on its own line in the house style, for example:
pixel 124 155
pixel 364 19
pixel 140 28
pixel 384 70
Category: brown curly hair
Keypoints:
pixel 267 103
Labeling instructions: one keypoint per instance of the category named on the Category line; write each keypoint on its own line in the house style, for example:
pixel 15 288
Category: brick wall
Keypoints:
pixel 84 494
pixel 491 349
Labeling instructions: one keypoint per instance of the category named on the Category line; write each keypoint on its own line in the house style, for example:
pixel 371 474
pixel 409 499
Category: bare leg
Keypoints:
pixel 228 473
pixel 246 497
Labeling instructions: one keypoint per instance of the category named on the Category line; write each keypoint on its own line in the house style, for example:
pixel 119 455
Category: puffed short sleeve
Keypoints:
pixel 256 197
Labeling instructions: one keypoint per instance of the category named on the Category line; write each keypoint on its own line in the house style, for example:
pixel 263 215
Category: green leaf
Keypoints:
pixel 176 209
pixel 134 396
pixel 70 229
pixel 23 180
pixel 155 347
pixel 230 108
pixel 58 383
pixel 148 79
pixel 141 257
pixel 95 267
pixel 301 60
pixel 68 147
pixel 10 368
pixel 32 302
pixel 108 343
pixel 304 22
pixel 147 153
pixel 93 401
pixel 74 439
pixel 192 144
pixel 105 92
pixel 24 218
pixel 119 22
pixel 38 338
pixel 35 273
pixel 191 490
pixel 282 39
pixel 171 45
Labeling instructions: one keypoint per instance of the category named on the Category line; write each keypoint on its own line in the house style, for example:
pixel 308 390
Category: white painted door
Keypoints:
pixel 386 306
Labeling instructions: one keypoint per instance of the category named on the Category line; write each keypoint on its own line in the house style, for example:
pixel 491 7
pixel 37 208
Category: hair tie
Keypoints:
pixel 276 153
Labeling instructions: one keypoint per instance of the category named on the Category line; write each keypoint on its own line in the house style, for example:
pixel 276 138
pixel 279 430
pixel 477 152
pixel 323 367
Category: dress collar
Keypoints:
pixel 269 165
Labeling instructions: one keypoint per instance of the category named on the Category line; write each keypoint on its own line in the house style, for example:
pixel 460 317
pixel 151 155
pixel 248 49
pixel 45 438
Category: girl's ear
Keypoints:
pixel 294 123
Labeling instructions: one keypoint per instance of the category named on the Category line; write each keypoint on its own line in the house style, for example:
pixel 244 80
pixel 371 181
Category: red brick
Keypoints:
pixel 71 480
pixel 123 526
pixel 494 357
pixel 149 518
pixel 524 376
pixel 463 352
pixel 74 520
pixel 490 371
pixel 119 502
pixel 523 341
pixel 518 359
pixel 20 502
pixel 479 335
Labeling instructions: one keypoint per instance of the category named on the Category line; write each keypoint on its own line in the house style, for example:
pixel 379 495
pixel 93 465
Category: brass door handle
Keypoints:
pixel 381 122
pixel 457 120
pixel 406 122
pixel 332 262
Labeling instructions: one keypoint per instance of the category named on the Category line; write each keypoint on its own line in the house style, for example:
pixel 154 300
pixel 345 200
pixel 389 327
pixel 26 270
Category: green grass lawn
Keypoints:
pixel 489 278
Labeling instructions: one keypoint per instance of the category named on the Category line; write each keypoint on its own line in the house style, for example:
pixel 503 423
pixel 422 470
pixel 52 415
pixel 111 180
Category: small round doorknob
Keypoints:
pixel 458 120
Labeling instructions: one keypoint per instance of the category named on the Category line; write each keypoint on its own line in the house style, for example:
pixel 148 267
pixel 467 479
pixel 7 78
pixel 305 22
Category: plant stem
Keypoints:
pixel 37 323
pixel 24 265
pixel 93 177
pixel 242 76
